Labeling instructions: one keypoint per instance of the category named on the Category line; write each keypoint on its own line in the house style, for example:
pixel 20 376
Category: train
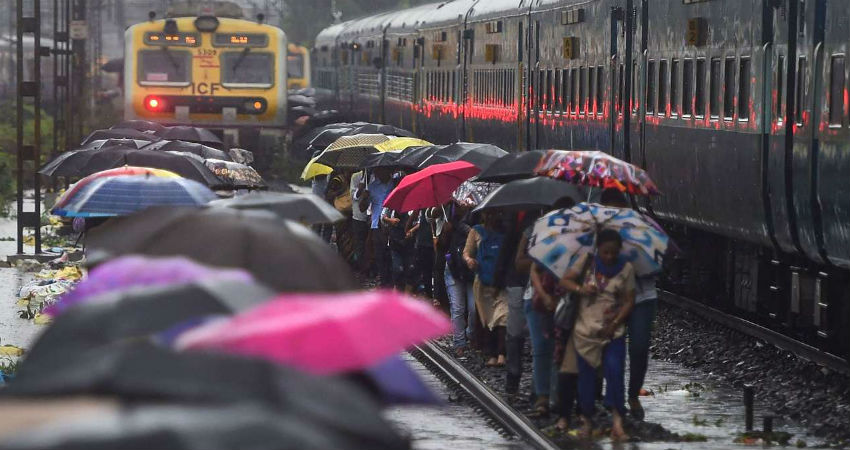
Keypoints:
pixel 297 67
pixel 209 68
pixel 737 108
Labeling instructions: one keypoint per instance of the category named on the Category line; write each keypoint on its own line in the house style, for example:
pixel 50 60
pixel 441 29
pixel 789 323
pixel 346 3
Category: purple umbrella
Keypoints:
pixel 397 383
pixel 132 271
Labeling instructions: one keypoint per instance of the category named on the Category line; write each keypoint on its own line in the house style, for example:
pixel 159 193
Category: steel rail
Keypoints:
pixel 744 326
pixel 512 421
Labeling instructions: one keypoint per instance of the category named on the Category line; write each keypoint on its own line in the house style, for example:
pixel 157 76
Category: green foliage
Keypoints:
pixel 8 365
pixel 8 146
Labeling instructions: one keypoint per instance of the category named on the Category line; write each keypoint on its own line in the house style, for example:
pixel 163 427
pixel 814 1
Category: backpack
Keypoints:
pixel 488 253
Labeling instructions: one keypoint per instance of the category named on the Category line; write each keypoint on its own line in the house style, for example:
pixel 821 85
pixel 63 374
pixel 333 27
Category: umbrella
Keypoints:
pixel 28 413
pixel 533 193
pixel 196 427
pixel 348 151
pixel 140 271
pixel 282 254
pixel 234 174
pixel 481 155
pixel 562 236
pixel 301 100
pixel 307 209
pixel 119 133
pixel 117 172
pixel 314 169
pixel 472 193
pixel 79 163
pixel 141 125
pixel 323 333
pixel 398 383
pixel 328 135
pixel 189 147
pixel 118 196
pixel 114 65
pixel 598 169
pixel 513 166
pixel 429 187
pixel 412 157
pixel 377 128
pixel 97 144
pixel 382 159
pixel 139 312
pixel 190 134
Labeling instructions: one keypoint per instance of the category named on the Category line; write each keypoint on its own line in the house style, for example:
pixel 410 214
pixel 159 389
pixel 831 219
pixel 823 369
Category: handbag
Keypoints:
pixel 342 203
pixel 567 308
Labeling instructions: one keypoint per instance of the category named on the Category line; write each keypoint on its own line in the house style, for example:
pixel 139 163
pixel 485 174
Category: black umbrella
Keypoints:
pixel 513 166
pixel 412 157
pixel 305 208
pixel 346 158
pixel 323 117
pixel 377 128
pixel 533 193
pixel 190 134
pixel 139 371
pixel 141 125
pixel 125 133
pixel 327 137
pixel 114 65
pixel 282 254
pixel 481 155
pixel 80 163
pixel 201 150
pixel 382 159
pixel 94 145
pixel 300 100
pixel 139 312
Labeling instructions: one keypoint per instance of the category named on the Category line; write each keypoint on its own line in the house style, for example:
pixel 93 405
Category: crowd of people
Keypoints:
pixel 477 268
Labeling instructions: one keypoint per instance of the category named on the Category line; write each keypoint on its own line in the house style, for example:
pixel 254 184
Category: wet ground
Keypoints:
pixel 455 426
pixel 13 329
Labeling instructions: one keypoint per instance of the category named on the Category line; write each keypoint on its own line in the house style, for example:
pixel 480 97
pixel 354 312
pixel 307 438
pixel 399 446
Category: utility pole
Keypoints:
pixel 79 34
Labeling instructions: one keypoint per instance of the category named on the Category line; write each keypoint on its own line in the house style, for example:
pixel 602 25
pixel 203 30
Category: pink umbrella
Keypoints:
pixel 429 187
pixel 131 271
pixel 323 333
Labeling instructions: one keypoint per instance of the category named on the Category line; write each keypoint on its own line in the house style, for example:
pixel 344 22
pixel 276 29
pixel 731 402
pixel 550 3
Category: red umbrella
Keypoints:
pixel 429 187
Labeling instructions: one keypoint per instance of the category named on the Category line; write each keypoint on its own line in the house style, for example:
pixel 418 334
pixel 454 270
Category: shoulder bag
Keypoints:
pixel 567 308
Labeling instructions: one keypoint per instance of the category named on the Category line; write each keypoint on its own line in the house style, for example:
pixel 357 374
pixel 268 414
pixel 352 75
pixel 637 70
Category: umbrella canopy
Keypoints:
pixel 139 372
pixel 382 159
pixel 189 147
pixel 533 193
pixel 117 172
pixel 141 125
pixel 513 166
pixel 80 163
pixel 313 169
pixel 429 187
pixel 279 253
pixel 97 144
pixel 598 169
pixel 118 196
pixel 139 271
pixel 139 312
pixel 190 134
pixel 400 143
pixel 119 133
pixel 562 236
pixel 472 193
pixel 378 128
pixel 323 333
pixel 413 157
pixel 328 134
pixel 307 209
pixel 481 155
pixel 234 174
pixel 348 152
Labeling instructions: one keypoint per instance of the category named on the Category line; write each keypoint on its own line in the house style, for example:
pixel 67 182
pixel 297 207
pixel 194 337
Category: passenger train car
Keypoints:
pixel 737 108
pixel 297 67
pixel 212 71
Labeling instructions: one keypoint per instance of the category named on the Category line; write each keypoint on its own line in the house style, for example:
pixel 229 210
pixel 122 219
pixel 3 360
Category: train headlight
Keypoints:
pixel 153 103
pixel 206 24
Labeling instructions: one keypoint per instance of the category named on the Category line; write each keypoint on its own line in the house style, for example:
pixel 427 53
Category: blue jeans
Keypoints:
pixel 542 349
pixel 640 333
pixel 462 305
pixel 613 368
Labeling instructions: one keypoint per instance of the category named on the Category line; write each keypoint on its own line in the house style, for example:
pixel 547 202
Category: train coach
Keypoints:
pixel 210 70
pixel 737 108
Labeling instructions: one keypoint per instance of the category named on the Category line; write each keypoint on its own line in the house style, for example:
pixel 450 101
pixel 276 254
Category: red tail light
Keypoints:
pixel 153 103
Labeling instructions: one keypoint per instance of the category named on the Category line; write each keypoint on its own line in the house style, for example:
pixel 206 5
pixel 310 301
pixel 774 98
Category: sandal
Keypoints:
pixel 541 407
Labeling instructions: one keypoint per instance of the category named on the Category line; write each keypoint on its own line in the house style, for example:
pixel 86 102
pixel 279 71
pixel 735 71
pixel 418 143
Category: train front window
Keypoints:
pixel 295 66
pixel 164 67
pixel 247 69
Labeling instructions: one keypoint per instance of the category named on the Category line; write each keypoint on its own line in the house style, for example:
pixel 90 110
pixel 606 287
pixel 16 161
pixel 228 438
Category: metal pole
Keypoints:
pixel 749 397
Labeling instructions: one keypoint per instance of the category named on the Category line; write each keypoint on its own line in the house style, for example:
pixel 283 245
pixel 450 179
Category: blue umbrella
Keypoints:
pixel 118 196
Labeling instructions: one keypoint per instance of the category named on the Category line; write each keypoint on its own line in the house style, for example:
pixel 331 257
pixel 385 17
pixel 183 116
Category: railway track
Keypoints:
pixel 744 326
pixel 508 420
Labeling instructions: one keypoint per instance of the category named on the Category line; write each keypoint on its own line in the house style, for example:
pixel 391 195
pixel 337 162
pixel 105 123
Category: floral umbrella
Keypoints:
pixel 597 169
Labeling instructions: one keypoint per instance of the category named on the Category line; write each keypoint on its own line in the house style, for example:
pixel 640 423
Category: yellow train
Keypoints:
pixel 203 70
pixel 297 67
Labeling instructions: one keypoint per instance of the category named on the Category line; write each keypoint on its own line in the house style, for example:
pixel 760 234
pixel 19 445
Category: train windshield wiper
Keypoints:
pixel 241 58
pixel 171 59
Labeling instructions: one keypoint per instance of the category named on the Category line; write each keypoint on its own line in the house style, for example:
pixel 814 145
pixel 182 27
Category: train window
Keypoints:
pixel 541 80
pixel 556 94
pixel 800 96
pixel 582 90
pixel 780 88
pixel 454 86
pixel 600 90
pixel 565 91
pixel 574 100
pixel 591 91
pixel 549 101
pixel 836 90
pixel 729 89
pixel 699 110
pixel 650 88
pixel 621 78
pixel 635 79
pixel 714 89
pixel 165 67
pixel 674 88
pixel 244 69
pixel 662 87
pixel 744 90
